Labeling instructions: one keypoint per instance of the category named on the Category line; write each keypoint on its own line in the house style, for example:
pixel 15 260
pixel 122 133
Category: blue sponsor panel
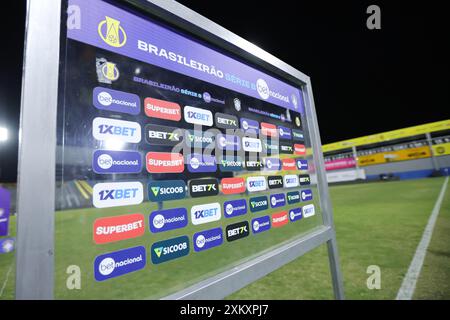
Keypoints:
pixel 117 101
pixel 166 250
pixel 250 126
pixel 228 142
pixel 234 208
pixel 272 164
pixel 201 163
pixel 284 133
pixel 258 203
pixel 295 214
pixel 302 164
pixel 114 264
pixel 207 239
pixel 166 190
pixel 306 195
pixel 7 245
pixel 169 219
pixel 277 200
pixel 261 224
pixel 293 197
pixel 107 161
pixel 5 202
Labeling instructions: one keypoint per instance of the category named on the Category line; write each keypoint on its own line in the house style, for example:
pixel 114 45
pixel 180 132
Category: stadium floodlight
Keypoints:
pixel 3 134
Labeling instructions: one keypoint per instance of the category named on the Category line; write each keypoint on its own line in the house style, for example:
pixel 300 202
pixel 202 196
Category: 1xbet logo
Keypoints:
pixel 117 194
pixel 126 131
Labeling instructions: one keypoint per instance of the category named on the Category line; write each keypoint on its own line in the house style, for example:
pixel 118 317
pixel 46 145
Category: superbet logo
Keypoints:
pixel 233 185
pixel 289 164
pixel 161 109
pixel 269 130
pixel 299 149
pixel 111 229
pixel 164 162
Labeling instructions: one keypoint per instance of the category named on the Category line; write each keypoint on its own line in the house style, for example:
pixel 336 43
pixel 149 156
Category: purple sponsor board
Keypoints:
pixel 169 219
pixel 207 239
pixel 306 195
pixel 272 164
pixel 285 133
pixel 295 214
pixel 228 142
pixel 201 163
pixel 117 101
pixel 277 200
pixel 234 208
pixel 302 164
pixel 6 245
pixel 260 224
pixel 114 264
pixel 119 31
pixel 249 125
pixel 106 161
pixel 5 202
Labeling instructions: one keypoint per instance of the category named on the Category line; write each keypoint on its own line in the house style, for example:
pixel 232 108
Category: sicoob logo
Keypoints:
pixel 231 163
pixel 204 213
pixel 169 219
pixel 161 109
pixel 113 194
pixel 114 264
pixel 164 162
pixel 111 229
pixel 237 231
pixel 203 187
pixel 166 190
pixel 170 249
pixel 207 239
pixel 258 203
pixel 112 33
pixel 162 135
pixel 293 197
pixel 234 208
pixel 126 131
pixel 117 101
pixel 105 161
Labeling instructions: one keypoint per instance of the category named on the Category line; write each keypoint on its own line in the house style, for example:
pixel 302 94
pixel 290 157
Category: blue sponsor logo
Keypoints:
pixel 207 239
pixel 306 195
pixel 295 214
pixel 249 125
pixel 117 101
pixel 170 249
pixel 201 163
pixel 285 133
pixel 166 190
pixel 114 264
pixel 228 142
pixel 228 164
pixel 293 197
pixel 261 224
pixel 277 200
pixel 234 208
pixel 302 164
pixel 105 161
pixel 169 219
pixel 258 203
pixel 272 164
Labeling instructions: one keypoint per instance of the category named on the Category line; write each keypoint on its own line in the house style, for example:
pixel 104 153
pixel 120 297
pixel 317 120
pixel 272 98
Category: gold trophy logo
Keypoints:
pixel 114 35
pixel 110 71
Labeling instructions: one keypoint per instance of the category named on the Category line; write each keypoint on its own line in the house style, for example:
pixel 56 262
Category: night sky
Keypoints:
pixel 364 81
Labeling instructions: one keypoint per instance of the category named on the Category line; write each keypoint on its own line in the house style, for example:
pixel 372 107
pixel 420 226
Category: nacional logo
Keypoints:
pixel 233 185
pixel 308 210
pixel 207 239
pixel 118 263
pixel 291 181
pixel 289 164
pixel 166 250
pixel 293 197
pixel 107 129
pixel 305 179
pixel 203 187
pixel 306 195
pixel 117 101
pixel 106 161
pixel 198 116
pixel 272 164
pixel 112 33
pixel 251 144
pixel 234 208
pixel 275 182
pixel 249 125
pixel 114 194
pixel 169 219
pixel 295 214
pixel 161 109
pixel 162 135
pixel 197 162
pixel 228 142
pixel 231 163
pixel 285 133
pixel 117 228
pixel 237 231
pixel 164 162
pixel 258 203
pixel 263 89
pixel 255 184
pixel 299 149
pixel 226 121
pixel 302 164
pixel 166 190
pixel 269 130
pixel 205 213
pixel 261 224
pixel 277 200
pixel 280 219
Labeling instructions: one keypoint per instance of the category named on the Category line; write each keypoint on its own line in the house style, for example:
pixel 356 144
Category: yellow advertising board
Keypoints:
pixel 441 149
pixel 400 155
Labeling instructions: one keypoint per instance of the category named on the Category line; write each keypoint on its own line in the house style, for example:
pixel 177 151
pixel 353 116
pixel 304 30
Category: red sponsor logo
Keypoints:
pixel 164 162
pixel 299 149
pixel 279 219
pixel 155 108
pixel 269 130
pixel 111 229
pixel 289 164
pixel 233 185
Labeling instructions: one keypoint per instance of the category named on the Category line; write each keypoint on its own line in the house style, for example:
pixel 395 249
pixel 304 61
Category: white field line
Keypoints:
pixel 409 282
pixel 6 280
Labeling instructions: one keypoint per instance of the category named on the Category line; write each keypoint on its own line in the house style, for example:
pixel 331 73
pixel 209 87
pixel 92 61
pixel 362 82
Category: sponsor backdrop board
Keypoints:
pixel 182 157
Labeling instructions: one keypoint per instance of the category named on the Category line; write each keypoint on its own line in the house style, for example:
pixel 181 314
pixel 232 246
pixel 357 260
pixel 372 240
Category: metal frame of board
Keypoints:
pixel 36 178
